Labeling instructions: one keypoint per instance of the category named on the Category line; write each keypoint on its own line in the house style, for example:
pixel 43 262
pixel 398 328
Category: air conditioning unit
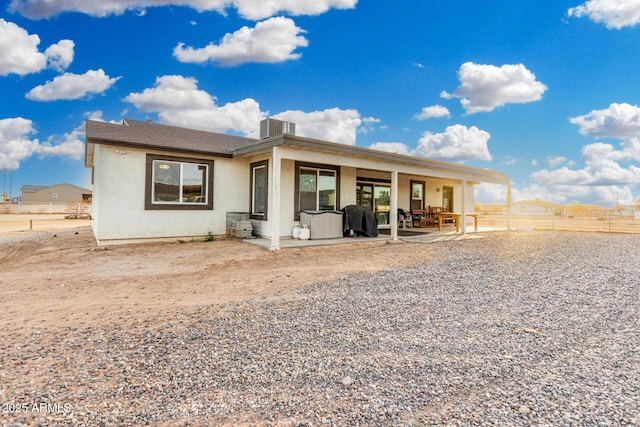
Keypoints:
pixel 274 127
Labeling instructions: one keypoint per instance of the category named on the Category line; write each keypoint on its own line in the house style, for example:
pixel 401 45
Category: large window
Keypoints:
pixel 316 187
pixel 178 183
pixel 259 189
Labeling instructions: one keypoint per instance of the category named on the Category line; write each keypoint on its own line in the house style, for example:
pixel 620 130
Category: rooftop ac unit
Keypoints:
pixel 273 127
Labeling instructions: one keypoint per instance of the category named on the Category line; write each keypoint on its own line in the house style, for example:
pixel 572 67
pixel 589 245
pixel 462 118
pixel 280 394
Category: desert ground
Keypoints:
pixel 53 273
pixel 522 328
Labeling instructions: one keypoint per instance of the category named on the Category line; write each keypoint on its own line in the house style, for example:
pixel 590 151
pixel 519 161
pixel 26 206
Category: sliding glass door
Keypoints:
pixel 377 197
pixel 382 203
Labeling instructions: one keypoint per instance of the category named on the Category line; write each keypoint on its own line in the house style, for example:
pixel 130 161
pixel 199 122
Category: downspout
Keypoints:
pixel 275 200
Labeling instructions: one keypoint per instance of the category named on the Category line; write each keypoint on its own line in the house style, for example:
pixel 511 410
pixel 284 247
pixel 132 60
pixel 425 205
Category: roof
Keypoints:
pixel 137 134
pixel 32 188
pixel 445 169
pixel 27 188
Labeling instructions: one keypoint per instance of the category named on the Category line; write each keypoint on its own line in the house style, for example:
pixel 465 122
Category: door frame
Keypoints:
pixel 447 189
pixel 376 183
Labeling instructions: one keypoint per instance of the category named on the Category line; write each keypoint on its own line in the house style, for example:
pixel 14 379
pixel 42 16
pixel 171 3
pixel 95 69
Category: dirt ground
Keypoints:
pixel 52 273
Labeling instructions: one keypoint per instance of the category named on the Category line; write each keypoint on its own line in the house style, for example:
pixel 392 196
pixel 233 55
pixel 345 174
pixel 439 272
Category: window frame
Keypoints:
pixel 411 198
pixel 318 167
pixel 148 197
pixel 252 168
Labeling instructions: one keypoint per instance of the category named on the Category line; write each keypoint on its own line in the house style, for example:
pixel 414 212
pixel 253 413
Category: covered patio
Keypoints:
pixel 385 182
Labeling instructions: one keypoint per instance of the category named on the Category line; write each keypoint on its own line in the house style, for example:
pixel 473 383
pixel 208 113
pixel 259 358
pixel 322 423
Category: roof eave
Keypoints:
pixel 137 145
pixel 482 175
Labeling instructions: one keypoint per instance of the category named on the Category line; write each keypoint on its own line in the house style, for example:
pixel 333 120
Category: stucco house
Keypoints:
pixel 59 193
pixel 159 182
pixel 535 208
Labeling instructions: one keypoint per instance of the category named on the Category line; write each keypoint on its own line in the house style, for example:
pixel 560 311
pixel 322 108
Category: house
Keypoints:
pixel 535 208
pixel 159 182
pixel 59 193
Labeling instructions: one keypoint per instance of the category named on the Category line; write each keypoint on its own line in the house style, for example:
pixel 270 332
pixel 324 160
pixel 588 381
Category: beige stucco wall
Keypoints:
pixel 348 181
pixel 119 188
pixel 121 214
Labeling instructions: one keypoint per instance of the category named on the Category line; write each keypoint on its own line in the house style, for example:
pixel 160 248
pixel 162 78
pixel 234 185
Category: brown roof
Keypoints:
pixel 137 134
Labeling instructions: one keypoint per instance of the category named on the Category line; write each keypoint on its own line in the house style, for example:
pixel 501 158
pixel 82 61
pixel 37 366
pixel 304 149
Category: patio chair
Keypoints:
pixel 420 218
pixel 404 219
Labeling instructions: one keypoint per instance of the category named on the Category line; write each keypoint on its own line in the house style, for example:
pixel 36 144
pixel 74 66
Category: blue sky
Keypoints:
pixel 547 92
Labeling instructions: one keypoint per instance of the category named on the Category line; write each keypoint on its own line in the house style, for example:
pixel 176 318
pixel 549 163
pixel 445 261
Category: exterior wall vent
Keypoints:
pixel 274 127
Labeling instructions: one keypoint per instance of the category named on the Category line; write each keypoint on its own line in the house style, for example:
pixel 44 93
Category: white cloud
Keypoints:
pixel 271 41
pixel 172 92
pixel 334 124
pixel 618 121
pixel 559 193
pixel 368 125
pixel 391 147
pixel 17 144
pixel 510 160
pixel 256 10
pixel 554 161
pixel 19 52
pixel 534 162
pixel 606 170
pixel 613 13
pixel 70 145
pixel 60 55
pixel 435 111
pixel 457 143
pixel 72 86
pixel 491 193
pixel 178 101
pixel 486 87
pixel 567 194
pixel 250 9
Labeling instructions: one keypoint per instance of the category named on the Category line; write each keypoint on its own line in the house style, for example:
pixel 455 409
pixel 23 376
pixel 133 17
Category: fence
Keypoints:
pixel 621 219
pixel 74 209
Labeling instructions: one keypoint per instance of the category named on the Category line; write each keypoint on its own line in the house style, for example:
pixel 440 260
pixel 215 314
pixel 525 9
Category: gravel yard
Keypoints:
pixel 522 328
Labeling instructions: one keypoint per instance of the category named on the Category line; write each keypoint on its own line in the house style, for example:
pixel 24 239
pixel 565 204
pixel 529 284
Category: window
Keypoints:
pixel 417 195
pixel 178 183
pixel 259 189
pixel 316 187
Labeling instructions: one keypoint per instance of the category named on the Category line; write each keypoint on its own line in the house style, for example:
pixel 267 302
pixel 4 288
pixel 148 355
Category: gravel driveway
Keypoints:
pixel 514 329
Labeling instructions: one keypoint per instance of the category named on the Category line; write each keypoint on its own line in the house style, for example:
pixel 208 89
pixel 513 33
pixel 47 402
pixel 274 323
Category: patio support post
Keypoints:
pixel 393 215
pixel 463 205
pixel 274 215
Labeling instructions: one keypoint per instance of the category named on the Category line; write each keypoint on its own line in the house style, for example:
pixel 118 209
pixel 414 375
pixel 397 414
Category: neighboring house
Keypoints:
pixel 59 193
pixel 161 182
pixel 535 208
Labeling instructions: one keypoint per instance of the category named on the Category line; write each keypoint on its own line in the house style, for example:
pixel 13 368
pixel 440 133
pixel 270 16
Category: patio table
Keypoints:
pixel 455 216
